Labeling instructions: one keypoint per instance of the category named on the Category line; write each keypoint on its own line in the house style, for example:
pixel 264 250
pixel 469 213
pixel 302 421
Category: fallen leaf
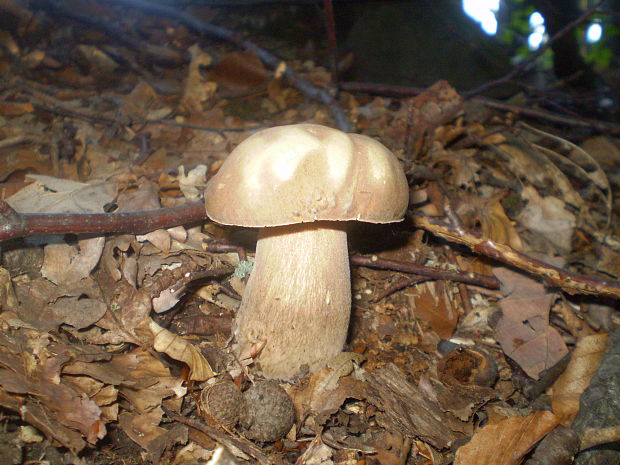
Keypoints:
pixel 192 184
pixel 45 305
pixel 143 103
pixel 15 108
pixel 196 90
pixel 239 70
pixel 8 300
pixel 549 217
pixel 22 374
pixel 433 302
pixel 506 442
pixel 523 330
pixel 180 349
pixel 53 195
pixel 66 263
pixel 584 362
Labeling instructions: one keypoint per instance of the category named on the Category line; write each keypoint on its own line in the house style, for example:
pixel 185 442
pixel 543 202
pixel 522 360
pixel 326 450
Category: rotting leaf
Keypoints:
pixel 506 442
pixel 523 330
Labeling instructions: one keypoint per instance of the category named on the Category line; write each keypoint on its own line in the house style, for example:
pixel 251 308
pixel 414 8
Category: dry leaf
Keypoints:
pixel 524 331
pixel 66 263
pixel 8 301
pixel 192 185
pixel 506 442
pixel 490 217
pixel 180 349
pixel 129 307
pixel 45 305
pixel 143 103
pixel 433 302
pixel 567 389
pixel 196 90
pixel 15 108
pixel 549 217
pixel 142 427
pixel 239 70
pixel 54 195
pixel 22 373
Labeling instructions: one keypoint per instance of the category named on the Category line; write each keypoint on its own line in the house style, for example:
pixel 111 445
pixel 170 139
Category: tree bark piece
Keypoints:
pixel 407 410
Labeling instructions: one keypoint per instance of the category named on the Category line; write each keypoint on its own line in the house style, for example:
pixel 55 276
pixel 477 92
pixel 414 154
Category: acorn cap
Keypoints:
pixel 307 172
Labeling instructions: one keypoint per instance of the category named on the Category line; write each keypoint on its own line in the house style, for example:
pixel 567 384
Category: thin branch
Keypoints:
pixel 221 437
pixel 568 281
pixel 373 261
pixel 14 225
pixel 406 91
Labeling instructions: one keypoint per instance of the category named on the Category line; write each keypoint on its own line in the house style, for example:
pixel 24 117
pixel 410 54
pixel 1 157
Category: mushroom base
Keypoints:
pixel 297 301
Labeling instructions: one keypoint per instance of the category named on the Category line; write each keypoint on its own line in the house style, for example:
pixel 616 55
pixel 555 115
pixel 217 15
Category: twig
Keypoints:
pixel 522 67
pixel 399 285
pixel 570 282
pixel 489 282
pixel 271 60
pixel 219 247
pixel 222 438
pixel 14 224
pixel 406 91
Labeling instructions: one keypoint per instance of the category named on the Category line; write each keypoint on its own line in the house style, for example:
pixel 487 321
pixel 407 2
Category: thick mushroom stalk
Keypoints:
pixel 297 300
pixel 298 183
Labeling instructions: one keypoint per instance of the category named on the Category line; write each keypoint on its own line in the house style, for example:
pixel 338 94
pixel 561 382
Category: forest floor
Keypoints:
pixel 483 327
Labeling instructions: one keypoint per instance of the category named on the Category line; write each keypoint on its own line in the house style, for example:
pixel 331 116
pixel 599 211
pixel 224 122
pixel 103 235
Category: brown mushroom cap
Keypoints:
pixel 307 172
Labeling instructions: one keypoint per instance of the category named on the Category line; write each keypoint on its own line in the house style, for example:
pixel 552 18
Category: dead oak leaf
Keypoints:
pixel 523 330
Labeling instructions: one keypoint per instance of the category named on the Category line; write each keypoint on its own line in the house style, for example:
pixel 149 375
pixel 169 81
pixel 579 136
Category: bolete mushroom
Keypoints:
pixel 299 184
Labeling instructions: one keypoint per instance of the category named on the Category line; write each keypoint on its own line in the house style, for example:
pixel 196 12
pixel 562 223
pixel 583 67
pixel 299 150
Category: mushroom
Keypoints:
pixel 299 184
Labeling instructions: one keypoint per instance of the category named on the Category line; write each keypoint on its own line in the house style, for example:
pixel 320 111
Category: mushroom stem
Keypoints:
pixel 298 298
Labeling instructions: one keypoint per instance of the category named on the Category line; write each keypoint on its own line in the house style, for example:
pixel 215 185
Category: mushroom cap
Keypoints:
pixel 307 172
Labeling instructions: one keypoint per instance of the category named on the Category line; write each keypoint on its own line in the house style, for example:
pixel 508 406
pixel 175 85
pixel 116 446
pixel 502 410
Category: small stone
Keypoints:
pixel 223 402
pixel 269 412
